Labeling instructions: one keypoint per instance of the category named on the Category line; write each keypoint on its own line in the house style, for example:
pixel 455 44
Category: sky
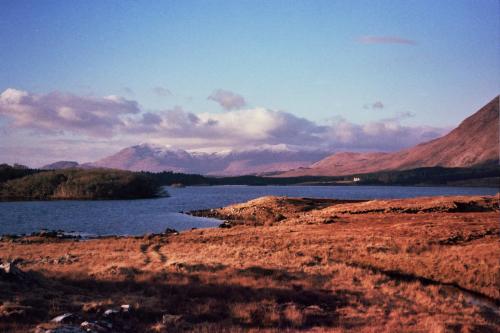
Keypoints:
pixel 80 80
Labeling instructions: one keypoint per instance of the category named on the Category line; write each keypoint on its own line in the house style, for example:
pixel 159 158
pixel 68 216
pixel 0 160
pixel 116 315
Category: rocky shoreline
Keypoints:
pixel 277 264
pixel 271 210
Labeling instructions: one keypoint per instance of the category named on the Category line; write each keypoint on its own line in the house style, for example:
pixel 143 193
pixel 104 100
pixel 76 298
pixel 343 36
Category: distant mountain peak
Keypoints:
pixel 61 165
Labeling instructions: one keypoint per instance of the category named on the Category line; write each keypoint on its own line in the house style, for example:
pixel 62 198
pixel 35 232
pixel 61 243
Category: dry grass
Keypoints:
pixel 436 271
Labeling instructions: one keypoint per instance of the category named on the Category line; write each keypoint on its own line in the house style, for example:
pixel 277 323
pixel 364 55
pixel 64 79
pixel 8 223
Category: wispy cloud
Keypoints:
pixel 385 40
pixel 374 105
pixel 162 91
pixel 128 91
pixel 228 99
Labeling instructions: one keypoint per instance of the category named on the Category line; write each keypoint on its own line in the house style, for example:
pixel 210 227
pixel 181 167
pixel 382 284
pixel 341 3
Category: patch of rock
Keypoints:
pixel 108 320
pixel 10 272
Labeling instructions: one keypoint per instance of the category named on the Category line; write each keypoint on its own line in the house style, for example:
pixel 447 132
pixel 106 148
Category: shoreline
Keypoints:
pixel 167 195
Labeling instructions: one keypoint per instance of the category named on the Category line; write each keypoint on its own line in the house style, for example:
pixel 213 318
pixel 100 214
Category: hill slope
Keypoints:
pixel 474 142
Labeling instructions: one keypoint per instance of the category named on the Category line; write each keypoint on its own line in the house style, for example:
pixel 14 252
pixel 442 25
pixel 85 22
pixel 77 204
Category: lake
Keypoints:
pixel 136 217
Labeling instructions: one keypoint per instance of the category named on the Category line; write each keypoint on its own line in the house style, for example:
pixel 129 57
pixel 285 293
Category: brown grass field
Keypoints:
pixel 283 265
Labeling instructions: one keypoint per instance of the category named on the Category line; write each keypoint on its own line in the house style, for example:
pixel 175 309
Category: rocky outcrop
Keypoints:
pixel 267 210
pixel 10 272
pixel 283 210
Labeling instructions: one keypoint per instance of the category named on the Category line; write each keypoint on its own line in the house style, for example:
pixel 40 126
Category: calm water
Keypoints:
pixel 135 217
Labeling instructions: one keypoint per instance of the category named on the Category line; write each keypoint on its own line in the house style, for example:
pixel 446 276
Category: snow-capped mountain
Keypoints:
pixel 148 157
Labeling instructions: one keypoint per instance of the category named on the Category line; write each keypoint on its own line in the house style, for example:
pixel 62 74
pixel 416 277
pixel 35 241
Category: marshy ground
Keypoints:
pixel 282 264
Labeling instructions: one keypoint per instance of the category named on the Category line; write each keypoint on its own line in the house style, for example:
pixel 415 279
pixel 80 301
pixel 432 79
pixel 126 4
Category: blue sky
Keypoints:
pixel 320 60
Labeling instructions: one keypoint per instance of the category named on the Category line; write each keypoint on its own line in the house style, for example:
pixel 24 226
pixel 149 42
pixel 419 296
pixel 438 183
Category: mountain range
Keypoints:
pixel 155 158
pixel 474 142
pixel 235 162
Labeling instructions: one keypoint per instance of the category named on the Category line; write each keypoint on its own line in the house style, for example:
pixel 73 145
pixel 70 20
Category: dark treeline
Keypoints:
pixel 167 178
pixel 8 172
pixel 419 176
pixel 435 176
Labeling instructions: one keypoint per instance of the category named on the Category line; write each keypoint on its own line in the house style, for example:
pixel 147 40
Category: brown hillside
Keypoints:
pixel 475 141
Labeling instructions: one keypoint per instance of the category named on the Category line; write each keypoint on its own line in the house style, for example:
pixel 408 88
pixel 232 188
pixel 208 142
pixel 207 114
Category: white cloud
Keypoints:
pixel 122 120
pixel 65 113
